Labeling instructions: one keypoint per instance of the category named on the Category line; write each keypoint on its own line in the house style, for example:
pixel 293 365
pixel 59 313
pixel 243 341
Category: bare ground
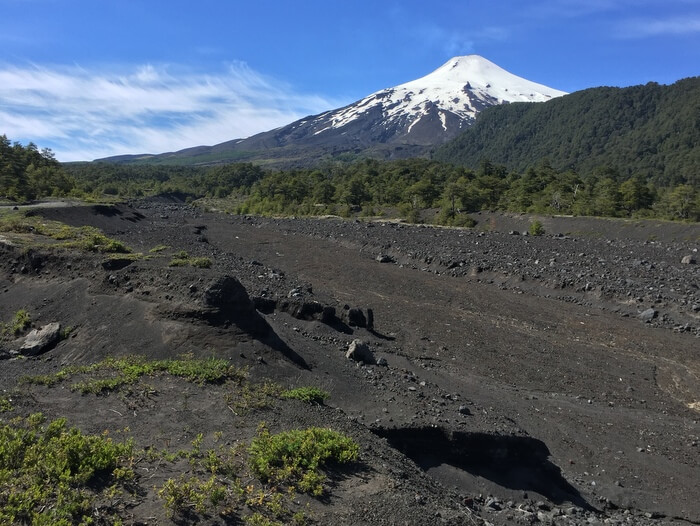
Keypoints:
pixel 521 385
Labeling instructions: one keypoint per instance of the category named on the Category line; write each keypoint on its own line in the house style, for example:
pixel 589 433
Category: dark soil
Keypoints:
pixel 522 383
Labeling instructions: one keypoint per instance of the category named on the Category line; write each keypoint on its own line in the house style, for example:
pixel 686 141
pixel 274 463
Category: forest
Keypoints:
pixel 400 188
pixel 650 132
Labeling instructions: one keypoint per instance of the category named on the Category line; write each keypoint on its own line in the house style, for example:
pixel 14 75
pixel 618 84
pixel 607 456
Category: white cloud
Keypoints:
pixel 84 114
pixel 642 28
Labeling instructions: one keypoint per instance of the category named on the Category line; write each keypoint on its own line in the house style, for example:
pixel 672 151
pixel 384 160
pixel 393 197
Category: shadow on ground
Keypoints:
pixel 514 462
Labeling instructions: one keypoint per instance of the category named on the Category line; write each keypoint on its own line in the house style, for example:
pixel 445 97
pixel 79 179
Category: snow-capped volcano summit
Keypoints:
pixel 452 96
pixel 421 113
pixel 402 121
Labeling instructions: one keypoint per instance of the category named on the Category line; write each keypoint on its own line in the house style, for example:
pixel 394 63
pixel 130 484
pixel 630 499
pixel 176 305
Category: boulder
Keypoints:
pixel 689 260
pixel 226 300
pixel 360 352
pixel 227 295
pixel 648 315
pixel 41 340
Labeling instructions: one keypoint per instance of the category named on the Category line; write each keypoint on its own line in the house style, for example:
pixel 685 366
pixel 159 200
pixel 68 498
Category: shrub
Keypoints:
pixel 45 471
pixel 298 455
pixel 536 229
pixel 193 493
pixel 5 404
pixel 200 262
pixel 20 322
pixel 310 395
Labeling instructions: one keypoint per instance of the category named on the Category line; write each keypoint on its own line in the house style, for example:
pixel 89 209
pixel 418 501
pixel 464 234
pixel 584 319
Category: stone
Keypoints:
pixel 648 315
pixel 384 258
pixel 464 410
pixel 689 260
pixel 382 362
pixel 359 351
pixel 226 293
pixel 41 340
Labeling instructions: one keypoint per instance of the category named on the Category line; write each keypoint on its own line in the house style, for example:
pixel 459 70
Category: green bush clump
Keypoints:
pixel 5 404
pixel 536 229
pixel 193 493
pixel 50 474
pixel 19 323
pixel 200 262
pixel 182 259
pixel 297 456
pixel 310 395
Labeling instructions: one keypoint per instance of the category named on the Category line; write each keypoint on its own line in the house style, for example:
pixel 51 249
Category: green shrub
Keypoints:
pixel 536 229
pixel 200 262
pixel 159 248
pixel 45 471
pixel 310 395
pixel 296 456
pixel 5 404
pixel 178 262
pixel 19 323
pixel 193 493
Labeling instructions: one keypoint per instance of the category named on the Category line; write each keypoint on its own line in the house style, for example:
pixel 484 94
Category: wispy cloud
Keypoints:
pixel 459 42
pixel 642 28
pixel 84 114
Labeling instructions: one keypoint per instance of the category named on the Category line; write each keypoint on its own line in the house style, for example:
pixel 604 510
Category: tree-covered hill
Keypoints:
pixel 27 173
pixel 651 132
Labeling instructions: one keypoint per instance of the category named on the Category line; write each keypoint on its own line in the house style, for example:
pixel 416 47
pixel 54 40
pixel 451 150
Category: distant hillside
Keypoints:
pixel 652 131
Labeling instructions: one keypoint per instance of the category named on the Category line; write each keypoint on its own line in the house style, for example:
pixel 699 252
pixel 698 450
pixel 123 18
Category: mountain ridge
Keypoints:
pixel 401 121
pixel 649 130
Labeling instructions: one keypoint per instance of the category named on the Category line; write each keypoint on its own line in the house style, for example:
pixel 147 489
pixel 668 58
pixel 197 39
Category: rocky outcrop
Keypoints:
pixel 41 340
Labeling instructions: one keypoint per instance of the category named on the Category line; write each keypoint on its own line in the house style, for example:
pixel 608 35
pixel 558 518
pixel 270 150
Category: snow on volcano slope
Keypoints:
pixel 402 121
pixel 463 86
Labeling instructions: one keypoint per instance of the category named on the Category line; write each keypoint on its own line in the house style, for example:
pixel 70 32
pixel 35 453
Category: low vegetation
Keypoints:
pixel 296 456
pixel 310 395
pixel 86 238
pixel 183 259
pixel 536 229
pixel 114 373
pixel 20 322
pixel 51 474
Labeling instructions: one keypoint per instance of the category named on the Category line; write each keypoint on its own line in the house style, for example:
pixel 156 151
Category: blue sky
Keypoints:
pixel 91 78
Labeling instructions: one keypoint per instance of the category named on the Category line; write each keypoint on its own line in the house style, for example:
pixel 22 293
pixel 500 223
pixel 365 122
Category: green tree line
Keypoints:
pixel 405 187
pixel 27 173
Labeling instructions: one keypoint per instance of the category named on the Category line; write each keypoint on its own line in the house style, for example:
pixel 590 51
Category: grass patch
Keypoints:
pixel 200 262
pixel 52 474
pixel 183 259
pixel 297 456
pixel 20 322
pixel 114 373
pixel 5 405
pixel 310 395
pixel 159 248
pixel 85 238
